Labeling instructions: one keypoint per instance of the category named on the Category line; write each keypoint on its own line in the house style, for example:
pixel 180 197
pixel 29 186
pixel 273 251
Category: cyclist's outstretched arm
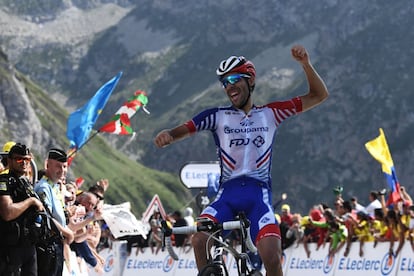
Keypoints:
pixel 168 136
pixel 317 89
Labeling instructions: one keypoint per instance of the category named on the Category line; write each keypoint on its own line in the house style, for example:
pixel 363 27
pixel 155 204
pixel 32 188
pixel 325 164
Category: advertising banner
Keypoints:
pixel 295 262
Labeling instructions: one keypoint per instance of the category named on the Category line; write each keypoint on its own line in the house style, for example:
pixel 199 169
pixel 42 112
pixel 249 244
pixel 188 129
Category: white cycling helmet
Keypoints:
pixel 237 65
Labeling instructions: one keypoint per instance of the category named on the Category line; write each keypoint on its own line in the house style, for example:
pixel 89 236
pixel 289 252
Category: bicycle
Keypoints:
pixel 216 265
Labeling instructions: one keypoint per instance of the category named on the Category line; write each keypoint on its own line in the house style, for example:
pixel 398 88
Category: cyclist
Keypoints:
pixel 244 134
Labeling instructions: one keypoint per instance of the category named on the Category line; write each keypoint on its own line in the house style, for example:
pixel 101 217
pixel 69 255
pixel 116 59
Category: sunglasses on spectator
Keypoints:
pixel 233 79
pixel 98 196
pixel 22 159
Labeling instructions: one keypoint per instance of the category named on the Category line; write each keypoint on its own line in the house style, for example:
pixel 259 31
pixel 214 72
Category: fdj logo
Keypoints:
pixel 387 264
pixel 239 142
pixel 259 141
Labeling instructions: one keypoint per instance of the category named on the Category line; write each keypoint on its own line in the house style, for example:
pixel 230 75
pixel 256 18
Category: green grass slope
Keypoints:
pixel 129 180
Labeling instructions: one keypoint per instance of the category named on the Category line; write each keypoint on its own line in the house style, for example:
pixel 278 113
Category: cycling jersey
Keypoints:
pixel 244 141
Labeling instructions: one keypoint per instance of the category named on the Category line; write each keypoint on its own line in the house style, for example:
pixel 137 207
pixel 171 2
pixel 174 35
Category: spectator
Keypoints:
pixel 93 236
pixel 177 221
pixel 405 216
pixel 49 190
pixel 106 239
pixel 99 191
pixel 355 204
pixel 362 230
pixel 70 194
pixel 188 216
pixel 284 229
pixel 137 241
pixel 155 236
pixel 379 226
pixel 312 233
pixel 338 190
pixel 338 235
pixel 348 219
pixel 2 167
pixel 70 211
pixel 286 216
pixel 396 231
pixel 94 230
pixel 323 225
pixel 295 230
pixel 374 203
pixel 405 196
pixel 338 208
pixel 17 250
pixel 89 201
pixel 6 148
pixel 411 226
pixel 309 234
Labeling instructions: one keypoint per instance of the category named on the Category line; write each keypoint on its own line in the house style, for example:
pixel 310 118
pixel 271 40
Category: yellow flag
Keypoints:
pixel 378 148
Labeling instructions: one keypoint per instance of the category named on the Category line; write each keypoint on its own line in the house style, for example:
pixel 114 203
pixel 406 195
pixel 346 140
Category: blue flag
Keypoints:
pixel 81 121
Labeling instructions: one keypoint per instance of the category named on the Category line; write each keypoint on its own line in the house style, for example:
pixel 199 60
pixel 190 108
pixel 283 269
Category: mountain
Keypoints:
pixel 171 49
pixel 31 117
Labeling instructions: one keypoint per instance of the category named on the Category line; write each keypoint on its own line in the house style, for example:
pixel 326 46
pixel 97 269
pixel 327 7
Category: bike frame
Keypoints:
pixel 216 265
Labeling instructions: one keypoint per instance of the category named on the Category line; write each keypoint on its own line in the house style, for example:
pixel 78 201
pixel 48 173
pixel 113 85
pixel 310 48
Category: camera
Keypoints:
pixel 382 192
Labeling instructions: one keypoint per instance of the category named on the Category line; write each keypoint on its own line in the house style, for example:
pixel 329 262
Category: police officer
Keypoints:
pixel 17 210
pixel 49 190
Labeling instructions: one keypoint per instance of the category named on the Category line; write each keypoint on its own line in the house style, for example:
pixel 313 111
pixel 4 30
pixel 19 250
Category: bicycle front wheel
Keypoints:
pixel 213 270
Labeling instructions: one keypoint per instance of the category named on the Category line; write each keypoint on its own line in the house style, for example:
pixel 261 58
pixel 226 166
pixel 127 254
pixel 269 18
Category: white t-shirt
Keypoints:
pixel 375 204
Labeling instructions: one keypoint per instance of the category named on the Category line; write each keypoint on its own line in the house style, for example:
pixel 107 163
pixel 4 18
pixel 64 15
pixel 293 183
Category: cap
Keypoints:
pixel 285 207
pixel 58 155
pixel 8 145
pixel 19 149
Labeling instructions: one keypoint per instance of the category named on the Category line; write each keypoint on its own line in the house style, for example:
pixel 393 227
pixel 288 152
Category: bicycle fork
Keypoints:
pixel 217 257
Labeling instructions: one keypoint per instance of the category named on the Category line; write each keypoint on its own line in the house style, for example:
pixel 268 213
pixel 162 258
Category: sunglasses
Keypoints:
pixel 98 196
pixel 20 160
pixel 233 79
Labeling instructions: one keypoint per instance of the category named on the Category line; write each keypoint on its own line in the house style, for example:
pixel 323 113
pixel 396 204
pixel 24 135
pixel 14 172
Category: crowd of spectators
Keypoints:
pixel 75 213
pixel 153 240
pixel 345 224
pixel 348 223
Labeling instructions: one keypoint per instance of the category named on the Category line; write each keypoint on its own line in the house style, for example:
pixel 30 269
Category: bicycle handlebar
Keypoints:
pixel 206 226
